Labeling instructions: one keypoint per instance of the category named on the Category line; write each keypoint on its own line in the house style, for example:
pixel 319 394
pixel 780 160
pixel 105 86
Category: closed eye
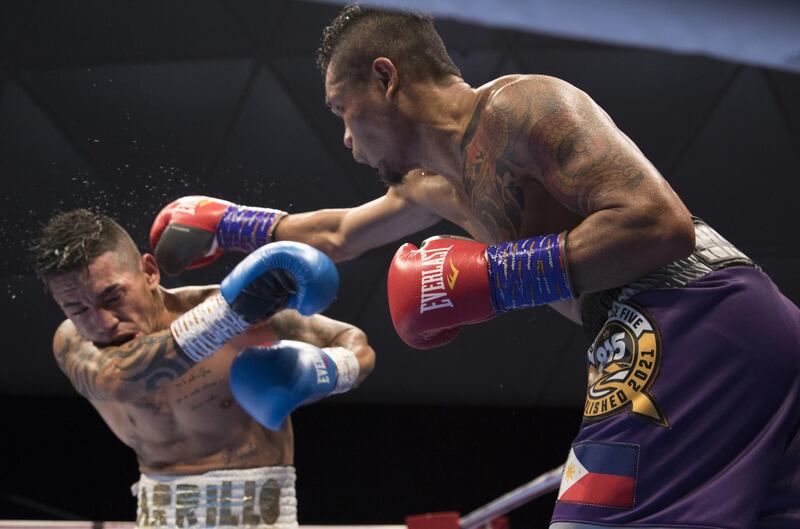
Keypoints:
pixel 113 298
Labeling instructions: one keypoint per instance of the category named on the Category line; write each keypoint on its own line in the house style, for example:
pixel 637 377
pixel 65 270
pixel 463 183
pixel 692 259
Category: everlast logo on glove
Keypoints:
pixel 434 294
pixel 322 371
pixel 446 273
pixel 188 207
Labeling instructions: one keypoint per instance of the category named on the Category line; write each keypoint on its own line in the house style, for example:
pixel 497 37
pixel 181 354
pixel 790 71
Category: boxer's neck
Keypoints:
pixel 441 114
pixel 169 305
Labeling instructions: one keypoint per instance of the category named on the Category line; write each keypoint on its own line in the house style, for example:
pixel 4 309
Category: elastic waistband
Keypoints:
pixel 712 252
pixel 261 498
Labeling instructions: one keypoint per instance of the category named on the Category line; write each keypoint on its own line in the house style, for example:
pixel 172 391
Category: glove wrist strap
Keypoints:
pixel 347 368
pixel 204 329
pixel 245 228
pixel 529 272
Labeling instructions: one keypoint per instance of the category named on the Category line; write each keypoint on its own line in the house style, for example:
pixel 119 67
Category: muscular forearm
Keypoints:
pixel 356 341
pixel 323 229
pixel 345 234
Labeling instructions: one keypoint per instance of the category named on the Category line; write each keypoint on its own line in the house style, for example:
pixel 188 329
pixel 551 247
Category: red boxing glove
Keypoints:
pixel 194 231
pixel 183 235
pixel 436 289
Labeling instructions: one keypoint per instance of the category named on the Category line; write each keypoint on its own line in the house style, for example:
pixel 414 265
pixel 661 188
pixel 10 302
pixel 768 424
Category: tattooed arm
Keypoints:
pixel 325 332
pixel 118 373
pixel 633 220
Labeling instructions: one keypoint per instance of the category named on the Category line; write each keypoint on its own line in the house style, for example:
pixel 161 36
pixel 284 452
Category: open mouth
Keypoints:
pixel 124 338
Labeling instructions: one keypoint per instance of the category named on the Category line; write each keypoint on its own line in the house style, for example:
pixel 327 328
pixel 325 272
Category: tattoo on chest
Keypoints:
pixel 151 406
pixel 197 386
pixel 145 363
pixel 155 366
pixel 490 182
pixel 211 397
pixel 199 373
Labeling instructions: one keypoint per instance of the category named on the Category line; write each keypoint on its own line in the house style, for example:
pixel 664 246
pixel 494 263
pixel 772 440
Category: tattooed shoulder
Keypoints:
pixel 64 340
pixel 507 115
pixel 584 158
pixel 122 372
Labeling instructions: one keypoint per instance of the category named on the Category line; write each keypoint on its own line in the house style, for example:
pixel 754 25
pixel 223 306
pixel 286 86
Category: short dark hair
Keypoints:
pixel 359 34
pixel 72 240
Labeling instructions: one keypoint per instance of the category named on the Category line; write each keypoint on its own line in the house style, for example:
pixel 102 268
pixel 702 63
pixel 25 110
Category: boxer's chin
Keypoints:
pixel 390 177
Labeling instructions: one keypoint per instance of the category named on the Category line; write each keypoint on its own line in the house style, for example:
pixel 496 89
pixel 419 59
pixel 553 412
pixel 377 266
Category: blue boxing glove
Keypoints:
pixel 271 382
pixel 283 274
pixel 275 276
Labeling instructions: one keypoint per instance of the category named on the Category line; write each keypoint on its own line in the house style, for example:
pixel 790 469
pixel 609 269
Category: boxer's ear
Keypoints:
pixel 384 70
pixel 150 269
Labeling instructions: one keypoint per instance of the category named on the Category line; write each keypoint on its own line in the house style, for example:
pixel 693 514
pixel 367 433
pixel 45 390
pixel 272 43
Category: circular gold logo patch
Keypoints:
pixel 623 364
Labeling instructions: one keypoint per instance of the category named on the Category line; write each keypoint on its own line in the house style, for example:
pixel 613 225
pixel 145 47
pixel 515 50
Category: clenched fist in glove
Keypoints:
pixel 449 282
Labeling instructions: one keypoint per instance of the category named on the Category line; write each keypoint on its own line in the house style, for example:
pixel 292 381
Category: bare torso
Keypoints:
pixel 192 424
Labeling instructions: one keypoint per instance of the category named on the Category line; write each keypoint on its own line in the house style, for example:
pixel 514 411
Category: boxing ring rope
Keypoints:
pixel 483 516
pixel 43 524
pixel 547 482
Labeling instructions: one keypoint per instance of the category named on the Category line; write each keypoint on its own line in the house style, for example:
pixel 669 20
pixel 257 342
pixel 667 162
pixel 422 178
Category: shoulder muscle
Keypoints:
pixel 64 341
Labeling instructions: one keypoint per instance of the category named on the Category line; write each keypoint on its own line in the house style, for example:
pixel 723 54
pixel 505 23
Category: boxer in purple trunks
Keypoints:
pixel 689 408
pixel 691 416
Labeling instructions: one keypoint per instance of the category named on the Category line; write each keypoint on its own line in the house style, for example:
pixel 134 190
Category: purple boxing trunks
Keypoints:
pixel 692 411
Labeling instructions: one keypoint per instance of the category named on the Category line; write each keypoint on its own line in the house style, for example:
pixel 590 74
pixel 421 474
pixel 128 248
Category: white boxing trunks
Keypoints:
pixel 260 498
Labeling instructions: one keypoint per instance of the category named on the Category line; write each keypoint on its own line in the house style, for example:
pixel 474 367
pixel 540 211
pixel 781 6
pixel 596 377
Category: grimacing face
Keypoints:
pixel 372 128
pixel 111 301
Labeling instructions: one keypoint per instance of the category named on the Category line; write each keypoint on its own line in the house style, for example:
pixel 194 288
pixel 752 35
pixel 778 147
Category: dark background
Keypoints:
pixel 122 107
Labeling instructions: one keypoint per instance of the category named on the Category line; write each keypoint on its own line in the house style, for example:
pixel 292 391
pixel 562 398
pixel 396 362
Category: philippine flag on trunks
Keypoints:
pixel 600 474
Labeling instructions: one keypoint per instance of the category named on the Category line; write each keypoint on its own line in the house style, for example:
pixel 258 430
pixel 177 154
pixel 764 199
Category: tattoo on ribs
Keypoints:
pixel 154 407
